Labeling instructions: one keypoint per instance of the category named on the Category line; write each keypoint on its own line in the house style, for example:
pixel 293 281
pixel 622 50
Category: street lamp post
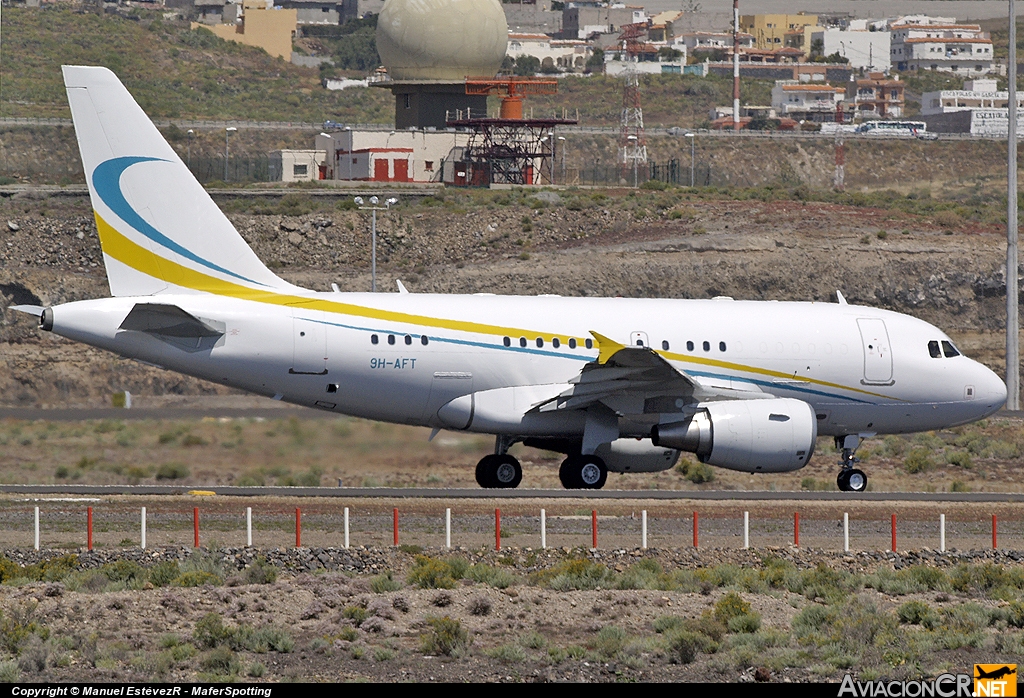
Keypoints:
pixel 227 133
pixel 191 134
pixel 693 140
pixel 373 207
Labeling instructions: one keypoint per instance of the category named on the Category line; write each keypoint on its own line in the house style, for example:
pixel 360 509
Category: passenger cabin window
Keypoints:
pixel 374 339
pixel 522 341
pixel 540 341
pixel 707 346
pixel 689 346
pixel 424 340
pixel 391 339
pixel 949 350
pixel 933 350
pixel 507 342
pixel 721 346
pixel 408 339
pixel 572 343
pixel 555 343
pixel 590 344
pixel 664 345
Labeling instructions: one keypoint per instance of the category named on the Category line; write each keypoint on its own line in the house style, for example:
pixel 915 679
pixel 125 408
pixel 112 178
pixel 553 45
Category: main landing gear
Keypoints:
pixel 850 479
pixel 499 471
pixel 580 472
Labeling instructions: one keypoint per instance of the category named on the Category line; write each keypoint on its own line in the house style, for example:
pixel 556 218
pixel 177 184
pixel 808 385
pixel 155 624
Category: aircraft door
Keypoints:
pixel 638 339
pixel 309 338
pixel 877 353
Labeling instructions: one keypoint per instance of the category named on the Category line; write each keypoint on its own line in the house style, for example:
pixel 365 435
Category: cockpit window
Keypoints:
pixel 933 349
pixel 948 349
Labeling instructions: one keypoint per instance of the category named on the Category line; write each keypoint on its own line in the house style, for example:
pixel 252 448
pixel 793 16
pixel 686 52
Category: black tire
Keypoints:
pixel 856 481
pixel 843 481
pixel 583 473
pixel 566 475
pixel 507 473
pixel 485 472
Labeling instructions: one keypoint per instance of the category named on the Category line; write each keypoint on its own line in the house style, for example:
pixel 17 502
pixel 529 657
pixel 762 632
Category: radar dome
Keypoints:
pixel 443 40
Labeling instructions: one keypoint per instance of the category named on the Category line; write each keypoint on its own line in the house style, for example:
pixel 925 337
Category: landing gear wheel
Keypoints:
pixel 583 473
pixel 852 480
pixel 498 472
pixel 507 473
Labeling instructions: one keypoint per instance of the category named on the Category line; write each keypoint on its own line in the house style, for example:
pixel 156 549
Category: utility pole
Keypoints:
pixel 736 64
pixel 1012 317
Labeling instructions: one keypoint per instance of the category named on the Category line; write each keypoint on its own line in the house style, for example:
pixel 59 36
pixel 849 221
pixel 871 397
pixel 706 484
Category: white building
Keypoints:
pixel 977 94
pixel 811 102
pixel 863 48
pixel 391 156
pixel 960 48
pixel 297 165
pixel 567 54
pixel 710 41
pixel 669 67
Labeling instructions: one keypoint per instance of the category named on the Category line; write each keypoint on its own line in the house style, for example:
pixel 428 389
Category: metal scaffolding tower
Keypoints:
pixel 632 142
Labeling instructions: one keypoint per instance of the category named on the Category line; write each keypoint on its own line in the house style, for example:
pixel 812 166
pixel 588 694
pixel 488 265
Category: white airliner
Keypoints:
pixel 616 384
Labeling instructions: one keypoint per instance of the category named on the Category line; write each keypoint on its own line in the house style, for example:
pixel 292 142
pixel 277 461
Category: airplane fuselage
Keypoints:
pixel 402 357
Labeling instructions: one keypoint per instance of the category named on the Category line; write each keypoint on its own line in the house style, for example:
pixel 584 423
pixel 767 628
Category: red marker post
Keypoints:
pixel 394 525
pixel 88 518
pixel 994 531
pixel 894 532
pixel 695 529
pixel 796 529
pixel 195 527
pixel 593 526
pixel 497 529
pixel 298 527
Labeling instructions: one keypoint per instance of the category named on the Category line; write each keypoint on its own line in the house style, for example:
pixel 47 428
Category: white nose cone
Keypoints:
pixel 444 40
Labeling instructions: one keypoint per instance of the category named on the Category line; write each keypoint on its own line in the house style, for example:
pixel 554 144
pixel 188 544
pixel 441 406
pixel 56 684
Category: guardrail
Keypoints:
pixel 535 528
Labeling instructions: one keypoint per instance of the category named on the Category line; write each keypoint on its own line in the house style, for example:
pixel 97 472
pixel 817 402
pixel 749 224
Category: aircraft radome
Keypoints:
pixel 616 384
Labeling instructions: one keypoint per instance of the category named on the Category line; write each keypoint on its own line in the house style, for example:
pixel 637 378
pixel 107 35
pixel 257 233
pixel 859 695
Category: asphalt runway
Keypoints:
pixel 446 493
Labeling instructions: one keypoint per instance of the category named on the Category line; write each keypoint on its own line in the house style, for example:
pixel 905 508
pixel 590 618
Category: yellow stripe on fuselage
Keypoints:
pixel 133 255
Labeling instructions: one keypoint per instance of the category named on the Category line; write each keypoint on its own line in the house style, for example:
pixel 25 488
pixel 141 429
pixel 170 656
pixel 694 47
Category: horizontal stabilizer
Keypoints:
pixel 30 309
pixel 167 321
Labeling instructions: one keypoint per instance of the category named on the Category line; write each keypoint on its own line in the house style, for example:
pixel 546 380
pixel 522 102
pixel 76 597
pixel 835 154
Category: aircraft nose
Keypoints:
pixel 991 390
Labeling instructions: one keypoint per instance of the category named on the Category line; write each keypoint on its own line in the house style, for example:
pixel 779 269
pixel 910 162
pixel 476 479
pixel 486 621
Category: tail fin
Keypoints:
pixel 159 229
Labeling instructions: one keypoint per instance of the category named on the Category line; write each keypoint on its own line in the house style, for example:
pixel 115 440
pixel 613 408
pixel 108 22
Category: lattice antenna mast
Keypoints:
pixel 632 142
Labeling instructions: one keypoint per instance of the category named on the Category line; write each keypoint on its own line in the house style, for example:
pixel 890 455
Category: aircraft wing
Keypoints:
pixel 627 379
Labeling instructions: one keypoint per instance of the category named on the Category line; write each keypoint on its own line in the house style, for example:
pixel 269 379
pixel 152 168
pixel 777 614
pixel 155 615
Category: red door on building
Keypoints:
pixel 401 170
pixel 380 170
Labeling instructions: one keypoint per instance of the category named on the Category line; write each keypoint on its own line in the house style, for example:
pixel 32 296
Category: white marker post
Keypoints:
pixel 643 529
pixel 448 528
pixel 37 529
pixel 248 527
pixel 346 528
pixel 942 533
pixel 746 530
pixel 543 530
pixel 846 532
pixel 142 541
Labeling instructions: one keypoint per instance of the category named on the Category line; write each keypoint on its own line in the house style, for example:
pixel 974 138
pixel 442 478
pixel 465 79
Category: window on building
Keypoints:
pixel 408 102
pixel 428 165
pixel 300 170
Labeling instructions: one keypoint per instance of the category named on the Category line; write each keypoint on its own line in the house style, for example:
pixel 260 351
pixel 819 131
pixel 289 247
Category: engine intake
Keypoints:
pixel 763 436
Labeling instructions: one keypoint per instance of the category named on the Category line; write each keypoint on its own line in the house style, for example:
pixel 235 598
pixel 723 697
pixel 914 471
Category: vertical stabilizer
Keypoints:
pixel 159 229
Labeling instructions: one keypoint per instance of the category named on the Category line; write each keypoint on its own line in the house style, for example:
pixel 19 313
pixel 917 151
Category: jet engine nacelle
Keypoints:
pixel 757 436
pixel 636 456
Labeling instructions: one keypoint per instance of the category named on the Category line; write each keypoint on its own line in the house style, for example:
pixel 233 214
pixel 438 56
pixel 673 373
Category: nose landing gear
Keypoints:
pixel 850 479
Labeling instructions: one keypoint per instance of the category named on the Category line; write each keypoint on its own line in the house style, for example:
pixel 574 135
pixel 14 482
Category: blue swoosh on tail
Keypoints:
pixel 106 180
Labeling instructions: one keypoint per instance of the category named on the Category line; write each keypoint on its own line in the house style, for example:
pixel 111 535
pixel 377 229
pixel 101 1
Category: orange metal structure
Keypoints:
pixel 512 90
